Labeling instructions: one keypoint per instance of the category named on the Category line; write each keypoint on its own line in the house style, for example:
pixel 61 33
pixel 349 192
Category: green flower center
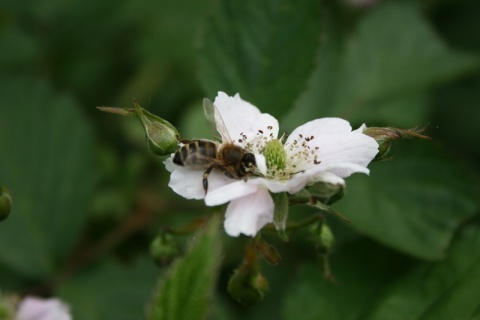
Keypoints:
pixel 276 158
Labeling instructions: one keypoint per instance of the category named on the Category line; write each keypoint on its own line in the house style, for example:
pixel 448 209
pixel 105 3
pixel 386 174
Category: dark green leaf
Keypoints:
pixel 262 50
pixel 383 70
pixel 111 291
pixel 47 163
pixel 414 202
pixel 188 288
pixel 377 284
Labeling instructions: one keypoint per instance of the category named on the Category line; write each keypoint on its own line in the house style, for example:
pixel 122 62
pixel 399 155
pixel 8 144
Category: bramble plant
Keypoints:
pixel 266 169
pixel 305 167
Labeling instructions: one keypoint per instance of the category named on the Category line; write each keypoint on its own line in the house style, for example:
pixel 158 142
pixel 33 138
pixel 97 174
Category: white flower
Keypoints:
pixel 321 150
pixel 32 308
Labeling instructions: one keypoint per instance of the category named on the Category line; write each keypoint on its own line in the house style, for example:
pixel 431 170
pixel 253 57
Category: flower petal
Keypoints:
pixel 249 214
pixel 189 182
pixel 261 163
pixel 32 308
pixel 228 192
pixel 245 124
pixel 323 126
pixel 334 145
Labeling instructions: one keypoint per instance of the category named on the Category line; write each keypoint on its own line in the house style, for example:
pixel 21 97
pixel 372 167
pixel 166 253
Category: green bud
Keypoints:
pixel 385 135
pixel 162 136
pixel 247 286
pixel 322 237
pixel 163 250
pixel 326 192
pixel 5 204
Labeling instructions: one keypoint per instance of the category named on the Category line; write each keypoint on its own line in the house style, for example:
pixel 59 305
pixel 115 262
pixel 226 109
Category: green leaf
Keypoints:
pixel 414 202
pixel 47 163
pixel 378 284
pixel 111 291
pixel 383 70
pixel 262 50
pixel 187 290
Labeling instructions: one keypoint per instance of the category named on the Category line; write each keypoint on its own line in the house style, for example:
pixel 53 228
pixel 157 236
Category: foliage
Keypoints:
pixel 87 197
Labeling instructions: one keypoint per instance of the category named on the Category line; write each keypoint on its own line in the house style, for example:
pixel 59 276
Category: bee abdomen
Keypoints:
pixel 198 153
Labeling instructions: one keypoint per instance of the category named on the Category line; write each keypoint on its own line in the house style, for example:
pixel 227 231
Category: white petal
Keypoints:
pixel 228 192
pixel 329 177
pixel 292 185
pixel 361 128
pixel 324 126
pixel 354 149
pixel 189 183
pixel 261 163
pixel 32 308
pixel 249 214
pixel 244 122
pixel 235 113
pixel 334 144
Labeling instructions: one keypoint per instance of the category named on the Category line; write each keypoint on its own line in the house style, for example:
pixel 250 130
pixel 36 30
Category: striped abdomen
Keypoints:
pixel 196 154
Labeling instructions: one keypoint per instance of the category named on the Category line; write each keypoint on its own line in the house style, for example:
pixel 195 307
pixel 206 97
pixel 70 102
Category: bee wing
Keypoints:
pixel 215 120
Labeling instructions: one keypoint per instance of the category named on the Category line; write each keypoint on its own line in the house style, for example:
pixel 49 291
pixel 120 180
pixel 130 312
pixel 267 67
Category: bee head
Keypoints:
pixel 248 161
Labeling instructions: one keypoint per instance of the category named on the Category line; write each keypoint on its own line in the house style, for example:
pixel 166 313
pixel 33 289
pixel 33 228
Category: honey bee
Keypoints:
pixel 234 161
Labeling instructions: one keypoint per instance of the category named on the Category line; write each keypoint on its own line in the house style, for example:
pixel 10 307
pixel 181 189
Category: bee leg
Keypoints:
pixel 205 178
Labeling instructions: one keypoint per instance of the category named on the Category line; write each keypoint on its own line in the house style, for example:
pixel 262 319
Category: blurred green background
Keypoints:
pixel 88 197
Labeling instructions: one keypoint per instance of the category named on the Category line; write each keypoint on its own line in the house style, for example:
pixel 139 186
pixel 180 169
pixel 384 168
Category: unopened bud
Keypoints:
pixel 385 135
pixel 323 238
pixel 163 250
pixel 5 204
pixel 162 136
pixel 247 286
pixel 326 192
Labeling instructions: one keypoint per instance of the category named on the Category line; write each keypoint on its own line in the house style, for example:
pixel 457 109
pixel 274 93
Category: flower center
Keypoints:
pixel 284 161
pixel 276 158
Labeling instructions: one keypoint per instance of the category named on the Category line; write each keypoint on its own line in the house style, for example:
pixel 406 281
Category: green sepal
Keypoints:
pixel 326 192
pixel 280 214
pixel 301 197
pixel 268 251
pixel 327 209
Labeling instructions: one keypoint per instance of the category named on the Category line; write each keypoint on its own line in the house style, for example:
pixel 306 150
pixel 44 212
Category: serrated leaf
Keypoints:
pixel 187 290
pixel 383 70
pixel 262 50
pixel 378 284
pixel 111 291
pixel 47 162
pixel 414 202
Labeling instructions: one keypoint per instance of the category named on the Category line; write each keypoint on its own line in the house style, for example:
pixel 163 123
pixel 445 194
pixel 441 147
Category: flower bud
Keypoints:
pixel 162 136
pixel 163 250
pixel 326 192
pixel 5 204
pixel 323 238
pixel 384 137
pixel 247 286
